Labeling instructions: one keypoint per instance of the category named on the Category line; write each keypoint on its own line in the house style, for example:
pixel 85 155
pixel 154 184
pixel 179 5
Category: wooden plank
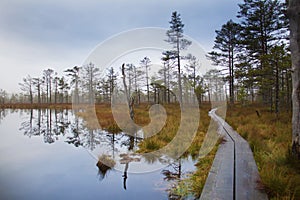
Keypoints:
pixel 234 174
pixel 247 176
pixel 219 183
pixel 246 172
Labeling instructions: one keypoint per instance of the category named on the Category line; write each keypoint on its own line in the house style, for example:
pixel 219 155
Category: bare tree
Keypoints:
pixel 167 58
pixel 3 96
pixel 27 86
pixel 55 82
pixel 130 76
pixel 90 75
pixel 128 98
pixel 145 63
pixel 191 68
pixel 214 82
pixel 37 82
pixel 48 80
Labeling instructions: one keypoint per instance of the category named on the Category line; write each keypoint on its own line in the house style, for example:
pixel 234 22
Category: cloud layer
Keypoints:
pixel 35 35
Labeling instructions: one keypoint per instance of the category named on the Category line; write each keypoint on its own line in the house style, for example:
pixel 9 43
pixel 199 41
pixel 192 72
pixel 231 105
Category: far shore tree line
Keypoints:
pixel 252 56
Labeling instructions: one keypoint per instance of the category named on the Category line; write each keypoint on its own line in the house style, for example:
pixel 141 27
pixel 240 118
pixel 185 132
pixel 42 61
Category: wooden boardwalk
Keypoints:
pixel 234 173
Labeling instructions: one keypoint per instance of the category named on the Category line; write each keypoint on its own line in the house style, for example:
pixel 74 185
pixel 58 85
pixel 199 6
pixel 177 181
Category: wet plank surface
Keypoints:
pixel 234 173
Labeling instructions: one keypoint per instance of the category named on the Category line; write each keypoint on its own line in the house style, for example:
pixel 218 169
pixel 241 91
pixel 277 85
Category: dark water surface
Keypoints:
pixel 48 154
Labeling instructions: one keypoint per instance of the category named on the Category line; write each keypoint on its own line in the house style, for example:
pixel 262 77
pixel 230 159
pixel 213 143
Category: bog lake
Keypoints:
pixel 51 154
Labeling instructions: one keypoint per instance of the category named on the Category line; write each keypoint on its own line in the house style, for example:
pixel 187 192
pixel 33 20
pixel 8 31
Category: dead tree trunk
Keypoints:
pixel 130 101
pixel 294 17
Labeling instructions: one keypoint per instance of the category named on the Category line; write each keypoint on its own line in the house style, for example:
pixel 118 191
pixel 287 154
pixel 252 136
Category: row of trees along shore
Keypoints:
pixel 88 86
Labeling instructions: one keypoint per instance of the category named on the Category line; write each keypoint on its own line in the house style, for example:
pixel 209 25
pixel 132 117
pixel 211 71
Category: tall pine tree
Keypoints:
pixel 175 37
pixel 226 43
pixel 263 26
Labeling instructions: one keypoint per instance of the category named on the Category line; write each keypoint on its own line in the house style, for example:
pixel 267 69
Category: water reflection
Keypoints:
pixel 54 125
pixel 47 123
pixel 173 175
pixel 64 125
pixel 3 114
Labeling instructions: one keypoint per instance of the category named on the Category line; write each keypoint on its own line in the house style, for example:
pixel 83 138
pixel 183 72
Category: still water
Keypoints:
pixel 50 154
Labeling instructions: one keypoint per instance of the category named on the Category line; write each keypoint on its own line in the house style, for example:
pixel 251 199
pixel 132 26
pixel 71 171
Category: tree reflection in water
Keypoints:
pixel 54 125
pixel 3 114
pixel 173 175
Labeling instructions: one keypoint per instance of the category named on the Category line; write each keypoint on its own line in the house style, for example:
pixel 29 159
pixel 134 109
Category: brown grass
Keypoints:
pixel 270 138
pixel 163 137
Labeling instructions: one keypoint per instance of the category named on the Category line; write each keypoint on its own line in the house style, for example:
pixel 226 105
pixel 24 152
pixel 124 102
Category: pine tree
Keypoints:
pixel 176 38
pixel 90 75
pixel 263 26
pixel 226 43
pixel 111 79
pixel 48 81
pixel 191 68
pixel 145 63
pixel 73 73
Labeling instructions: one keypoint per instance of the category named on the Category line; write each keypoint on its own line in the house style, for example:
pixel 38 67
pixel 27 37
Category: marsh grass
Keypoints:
pixel 194 183
pixel 104 164
pixel 269 137
pixel 170 130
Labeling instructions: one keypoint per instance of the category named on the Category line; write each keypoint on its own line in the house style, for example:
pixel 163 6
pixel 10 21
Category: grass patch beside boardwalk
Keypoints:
pixel 269 137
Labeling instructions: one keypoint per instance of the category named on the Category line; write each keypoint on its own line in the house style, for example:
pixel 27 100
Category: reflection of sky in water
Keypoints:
pixel 32 169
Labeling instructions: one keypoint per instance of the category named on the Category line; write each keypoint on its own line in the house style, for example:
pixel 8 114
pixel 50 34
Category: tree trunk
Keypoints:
pixel 130 101
pixel 50 89
pixel 179 74
pixel 277 90
pixel 39 92
pixel 294 17
pixel 147 80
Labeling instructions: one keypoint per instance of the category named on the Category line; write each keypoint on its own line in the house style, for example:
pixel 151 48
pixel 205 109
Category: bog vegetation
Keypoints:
pixel 269 136
pixel 253 73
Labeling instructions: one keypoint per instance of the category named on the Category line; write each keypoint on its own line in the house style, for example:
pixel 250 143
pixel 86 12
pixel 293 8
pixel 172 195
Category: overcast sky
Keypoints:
pixel 59 34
